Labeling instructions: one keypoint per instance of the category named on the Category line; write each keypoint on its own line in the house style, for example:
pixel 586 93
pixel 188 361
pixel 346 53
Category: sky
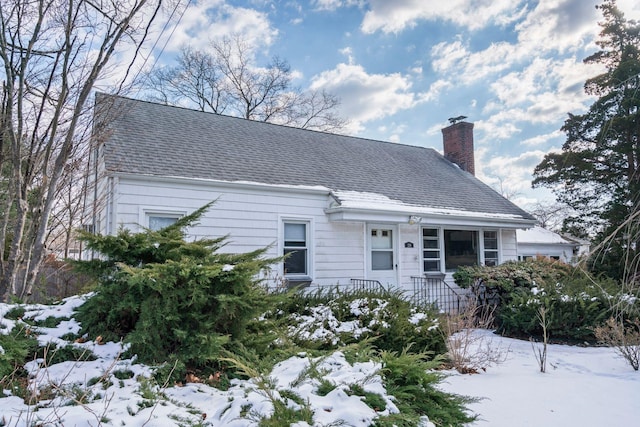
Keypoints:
pixel 401 68
pixel 582 387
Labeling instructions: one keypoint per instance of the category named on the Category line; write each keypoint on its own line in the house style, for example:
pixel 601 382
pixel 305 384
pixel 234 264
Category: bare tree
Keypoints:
pixel 550 215
pixel 504 190
pixel 53 52
pixel 227 79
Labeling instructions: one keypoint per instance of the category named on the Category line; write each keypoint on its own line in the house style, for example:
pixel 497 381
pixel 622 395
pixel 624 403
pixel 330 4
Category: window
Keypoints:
pixel 460 248
pixel 296 248
pixel 381 249
pixel 157 221
pixel 455 248
pixel 490 241
pixel 431 249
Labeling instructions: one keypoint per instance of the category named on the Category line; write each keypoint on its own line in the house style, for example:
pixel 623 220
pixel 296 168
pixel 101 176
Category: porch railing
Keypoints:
pixel 366 285
pixel 432 289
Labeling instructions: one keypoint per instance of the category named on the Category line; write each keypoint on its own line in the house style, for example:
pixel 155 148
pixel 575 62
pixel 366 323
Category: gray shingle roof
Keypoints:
pixel 154 139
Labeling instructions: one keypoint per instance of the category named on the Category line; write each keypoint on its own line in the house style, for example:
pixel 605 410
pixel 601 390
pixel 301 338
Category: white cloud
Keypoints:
pixel 543 139
pixel 458 63
pixel 558 25
pixel 435 89
pixel 365 96
pixel 348 52
pixel 332 5
pixel 208 20
pixel 631 8
pixel 500 126
pixel 395 16
pixel 511 174
pixel 541 93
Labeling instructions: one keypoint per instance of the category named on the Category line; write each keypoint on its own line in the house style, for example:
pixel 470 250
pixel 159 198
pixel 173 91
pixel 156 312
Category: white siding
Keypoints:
pixel 251 218
pixel 410 258
pixel 509 247
pixel 564 252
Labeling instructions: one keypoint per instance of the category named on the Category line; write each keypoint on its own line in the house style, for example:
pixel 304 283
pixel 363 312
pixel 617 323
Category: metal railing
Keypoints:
pixel 366 285
pixel 433 290
pixel 354 285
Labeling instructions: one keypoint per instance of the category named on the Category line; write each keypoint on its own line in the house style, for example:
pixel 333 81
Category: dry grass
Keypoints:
pixel 625 340
pixel 469 352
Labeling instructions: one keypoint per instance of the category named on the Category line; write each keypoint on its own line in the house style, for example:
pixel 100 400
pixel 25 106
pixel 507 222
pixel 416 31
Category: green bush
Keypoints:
pixel 575 302
pixel 386 318
pixel 52 354
pixel 170 299
pixel 412 380
pixel 18 347
pixel 572 316
pixel 507 278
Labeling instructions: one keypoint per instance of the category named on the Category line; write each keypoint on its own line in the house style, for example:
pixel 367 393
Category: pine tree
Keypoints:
pixel 171 299
pixel 598 171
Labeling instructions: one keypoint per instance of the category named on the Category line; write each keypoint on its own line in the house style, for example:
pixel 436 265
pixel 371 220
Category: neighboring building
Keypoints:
pixel 342 207
pixel 540 242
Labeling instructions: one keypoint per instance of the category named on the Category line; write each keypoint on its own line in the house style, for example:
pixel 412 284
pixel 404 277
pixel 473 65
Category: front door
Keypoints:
pixel 382 259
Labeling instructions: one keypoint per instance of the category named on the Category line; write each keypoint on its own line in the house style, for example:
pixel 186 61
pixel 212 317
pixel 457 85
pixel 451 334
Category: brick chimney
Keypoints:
pixel 457 140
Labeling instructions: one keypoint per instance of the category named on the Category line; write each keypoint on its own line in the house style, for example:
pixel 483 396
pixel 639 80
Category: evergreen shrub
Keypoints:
pixel 575 304
pixel 171 300
pixel 508 279
pixel 412 379
pixel 386 318
pixel 571 316
pixel 18 347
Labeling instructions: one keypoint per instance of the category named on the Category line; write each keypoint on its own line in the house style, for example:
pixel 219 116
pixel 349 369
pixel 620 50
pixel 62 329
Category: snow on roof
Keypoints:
pixel 538 234
pixel 375 201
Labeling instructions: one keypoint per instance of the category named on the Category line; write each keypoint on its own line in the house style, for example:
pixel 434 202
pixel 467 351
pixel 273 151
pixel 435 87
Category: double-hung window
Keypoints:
pixel 296 248
pixel 431 249
pixel 490 241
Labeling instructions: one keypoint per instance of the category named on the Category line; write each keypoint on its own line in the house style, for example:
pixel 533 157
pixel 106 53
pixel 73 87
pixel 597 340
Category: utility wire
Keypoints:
pixel 164 46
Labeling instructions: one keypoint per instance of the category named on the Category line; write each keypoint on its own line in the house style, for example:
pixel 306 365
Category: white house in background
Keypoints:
pixel 540 242
pixel 343 207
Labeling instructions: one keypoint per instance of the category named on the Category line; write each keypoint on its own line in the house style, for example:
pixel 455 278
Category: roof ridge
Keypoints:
pixel 145 101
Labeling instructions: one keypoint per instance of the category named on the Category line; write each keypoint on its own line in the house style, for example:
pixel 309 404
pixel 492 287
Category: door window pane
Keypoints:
pixel 381 260
pixel 381 239
pixel 381 249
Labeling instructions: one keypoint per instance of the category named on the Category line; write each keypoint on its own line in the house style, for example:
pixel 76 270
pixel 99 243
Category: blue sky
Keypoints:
pixel 403 67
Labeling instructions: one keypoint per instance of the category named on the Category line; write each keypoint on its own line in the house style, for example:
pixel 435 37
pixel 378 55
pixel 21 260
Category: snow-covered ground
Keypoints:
pixel 582 387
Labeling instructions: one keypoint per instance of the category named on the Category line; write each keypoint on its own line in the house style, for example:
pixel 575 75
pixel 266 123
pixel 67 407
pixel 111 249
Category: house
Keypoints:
pixel 540 242
pixel 341 207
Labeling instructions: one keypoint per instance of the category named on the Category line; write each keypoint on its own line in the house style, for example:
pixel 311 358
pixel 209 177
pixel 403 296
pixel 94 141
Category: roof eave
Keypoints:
pixel 451 218
pixel 221 183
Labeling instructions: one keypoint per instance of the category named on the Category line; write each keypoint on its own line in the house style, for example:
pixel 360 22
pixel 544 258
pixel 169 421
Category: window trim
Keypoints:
pixel 442 252
pixel 149 211
pixel 498 250
pixel 309 246
pixel 439 238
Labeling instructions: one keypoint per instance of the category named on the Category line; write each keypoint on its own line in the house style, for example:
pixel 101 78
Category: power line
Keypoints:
pixel 155 44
